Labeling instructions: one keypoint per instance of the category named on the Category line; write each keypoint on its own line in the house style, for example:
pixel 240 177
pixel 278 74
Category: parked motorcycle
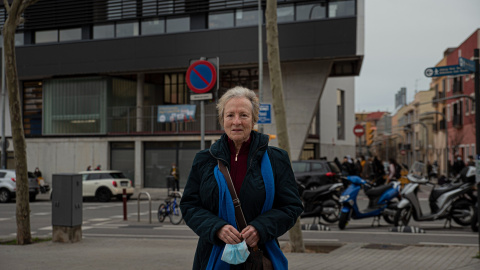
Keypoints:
pixel 450 201
pixel 474 224
pixel 381 201
pixel 322 202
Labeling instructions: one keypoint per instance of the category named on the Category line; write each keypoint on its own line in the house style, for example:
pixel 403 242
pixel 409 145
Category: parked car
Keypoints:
pixel 104 185
pixel 314 173
pixel 8 185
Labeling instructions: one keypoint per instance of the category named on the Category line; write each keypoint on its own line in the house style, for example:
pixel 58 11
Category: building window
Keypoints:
pixel 103 31
pixel 19 39
pixel 340 114
pixel 220 20
pixel 153 27
pixel 246 17
pixel 311 11
pixel 126 29
pixel 181 24
pixel 70 34
pixel 47 36
pixel 458 84
pixel 175 89
pixel 32 108
pixel 341 8
pixel 285 14
pixel 74 106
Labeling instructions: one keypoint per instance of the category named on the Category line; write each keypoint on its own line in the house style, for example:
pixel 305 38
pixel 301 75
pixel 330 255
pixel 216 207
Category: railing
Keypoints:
pixel 126 120
pixel 149 206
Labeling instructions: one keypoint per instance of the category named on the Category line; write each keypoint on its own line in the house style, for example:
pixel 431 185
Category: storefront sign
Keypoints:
pixel 176 113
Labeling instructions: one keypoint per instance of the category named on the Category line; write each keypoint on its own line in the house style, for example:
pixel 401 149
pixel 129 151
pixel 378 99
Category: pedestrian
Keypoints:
pixel 393 170
pixel 378 171
pixel 176 176
pixel 470 161
pixel 367 172
pixel 255 168
pixel 458 165
pixel 98 168
pixel 37 172
pixel 89 168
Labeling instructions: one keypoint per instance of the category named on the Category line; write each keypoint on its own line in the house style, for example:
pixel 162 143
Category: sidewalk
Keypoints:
pixel 136 253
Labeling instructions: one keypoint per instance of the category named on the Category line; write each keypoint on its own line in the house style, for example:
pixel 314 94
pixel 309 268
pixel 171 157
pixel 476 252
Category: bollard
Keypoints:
pixel 124 196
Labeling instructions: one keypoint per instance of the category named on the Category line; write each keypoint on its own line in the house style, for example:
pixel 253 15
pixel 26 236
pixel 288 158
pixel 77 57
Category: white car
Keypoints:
pixel 103 185
pixel 8 185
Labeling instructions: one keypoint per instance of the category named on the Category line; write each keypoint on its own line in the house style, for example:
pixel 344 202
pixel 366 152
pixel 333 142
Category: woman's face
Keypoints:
pixel 238 119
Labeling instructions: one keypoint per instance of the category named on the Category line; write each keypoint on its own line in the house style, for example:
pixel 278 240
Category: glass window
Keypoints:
pixel 70 34
pixel 127 29
pixel 318 167
pixel 178 24
pixel 340 114
pixel 46 36
pixel 74 106
pixel 311 11
pixel 149 7
pixel 341 8
pixel 103 31
pixel 246 17
pixel 285 14
pixel 299 167
pixel 153 27
pixel 19 39
pixel 220 20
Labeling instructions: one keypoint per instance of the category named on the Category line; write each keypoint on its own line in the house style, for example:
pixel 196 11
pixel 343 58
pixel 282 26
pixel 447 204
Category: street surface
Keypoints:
pixel 105 220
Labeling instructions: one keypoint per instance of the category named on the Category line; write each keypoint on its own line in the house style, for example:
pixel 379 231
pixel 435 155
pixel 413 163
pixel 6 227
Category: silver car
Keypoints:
pixel 8 185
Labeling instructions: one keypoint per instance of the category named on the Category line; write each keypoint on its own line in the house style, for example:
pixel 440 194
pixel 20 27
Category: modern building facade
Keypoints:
pixel 96 75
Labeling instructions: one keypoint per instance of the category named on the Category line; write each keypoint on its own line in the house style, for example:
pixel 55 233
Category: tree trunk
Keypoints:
pixel 296 237
pixel 14 12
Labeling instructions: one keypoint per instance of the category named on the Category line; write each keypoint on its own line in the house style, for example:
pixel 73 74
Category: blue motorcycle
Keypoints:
pixel 380 201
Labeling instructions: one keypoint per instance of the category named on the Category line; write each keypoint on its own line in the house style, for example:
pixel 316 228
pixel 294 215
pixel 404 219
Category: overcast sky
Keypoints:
pixel 402 39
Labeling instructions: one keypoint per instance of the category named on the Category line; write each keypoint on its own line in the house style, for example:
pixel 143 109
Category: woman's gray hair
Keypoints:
pixel 239 92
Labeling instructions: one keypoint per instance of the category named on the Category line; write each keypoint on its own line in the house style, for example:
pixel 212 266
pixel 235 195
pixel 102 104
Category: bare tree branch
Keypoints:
pixel 7 6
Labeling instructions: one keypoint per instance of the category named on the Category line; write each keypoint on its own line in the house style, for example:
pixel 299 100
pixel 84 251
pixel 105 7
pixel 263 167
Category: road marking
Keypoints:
pixel 447 244
pixel 4 219
pixel 41 214
pixel 98 219
pixel 391 233
pixel 142 236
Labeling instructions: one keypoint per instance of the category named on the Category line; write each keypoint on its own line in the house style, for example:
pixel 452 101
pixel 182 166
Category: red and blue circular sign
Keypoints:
pixel 201 76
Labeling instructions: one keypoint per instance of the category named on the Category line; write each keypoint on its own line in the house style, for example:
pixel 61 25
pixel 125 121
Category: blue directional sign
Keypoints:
pixel 466 63
pixel 265 114
pixel 446 71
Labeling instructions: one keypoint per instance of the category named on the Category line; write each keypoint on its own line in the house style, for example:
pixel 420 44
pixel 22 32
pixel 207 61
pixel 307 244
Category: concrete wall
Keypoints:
pixel 330 146
pixel 302 86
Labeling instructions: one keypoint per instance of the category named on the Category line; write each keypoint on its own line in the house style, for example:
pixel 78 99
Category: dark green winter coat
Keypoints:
pixel 199 203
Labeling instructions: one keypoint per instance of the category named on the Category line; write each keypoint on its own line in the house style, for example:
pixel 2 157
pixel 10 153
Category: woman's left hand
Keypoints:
pixel 250 234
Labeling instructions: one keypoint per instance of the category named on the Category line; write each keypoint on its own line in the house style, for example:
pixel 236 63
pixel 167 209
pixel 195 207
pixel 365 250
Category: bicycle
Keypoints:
pixel 171 208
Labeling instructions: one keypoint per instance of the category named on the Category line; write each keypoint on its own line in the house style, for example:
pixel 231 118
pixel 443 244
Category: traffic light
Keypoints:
pixel 370 134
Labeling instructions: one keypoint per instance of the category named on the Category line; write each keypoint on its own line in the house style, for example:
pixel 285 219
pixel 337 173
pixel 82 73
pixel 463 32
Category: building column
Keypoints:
pixel 138 164
pixel 140 84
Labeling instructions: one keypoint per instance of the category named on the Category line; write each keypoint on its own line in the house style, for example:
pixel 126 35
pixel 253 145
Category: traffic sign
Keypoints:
pixel 358 130
pixel 446 71
pixel 466 63
pixel 265 114
pixel 201 76
pixel 206 96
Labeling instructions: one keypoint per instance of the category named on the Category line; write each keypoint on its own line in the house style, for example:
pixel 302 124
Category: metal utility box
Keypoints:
pixel 67 200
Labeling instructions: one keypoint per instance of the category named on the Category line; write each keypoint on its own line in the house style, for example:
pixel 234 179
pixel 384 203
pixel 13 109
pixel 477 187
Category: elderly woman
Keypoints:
pixel 250 162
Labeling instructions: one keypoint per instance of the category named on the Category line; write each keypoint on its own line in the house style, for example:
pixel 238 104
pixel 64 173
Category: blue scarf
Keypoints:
pixel 226 211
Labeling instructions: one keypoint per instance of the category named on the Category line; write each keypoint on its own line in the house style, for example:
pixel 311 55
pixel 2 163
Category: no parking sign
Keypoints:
pixel 201 76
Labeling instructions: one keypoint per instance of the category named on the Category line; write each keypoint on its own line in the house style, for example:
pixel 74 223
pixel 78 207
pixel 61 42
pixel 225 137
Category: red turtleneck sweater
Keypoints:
pixel 238 163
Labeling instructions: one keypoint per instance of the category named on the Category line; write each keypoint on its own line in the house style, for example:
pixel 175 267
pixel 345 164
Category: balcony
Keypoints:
pixel 439 95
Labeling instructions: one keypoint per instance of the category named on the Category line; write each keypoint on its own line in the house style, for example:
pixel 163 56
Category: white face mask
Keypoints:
pixel 235 254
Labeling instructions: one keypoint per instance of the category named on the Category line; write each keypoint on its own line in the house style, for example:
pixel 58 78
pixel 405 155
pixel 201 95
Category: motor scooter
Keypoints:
pixel 450 201
pixel 322 202
pixel 381 201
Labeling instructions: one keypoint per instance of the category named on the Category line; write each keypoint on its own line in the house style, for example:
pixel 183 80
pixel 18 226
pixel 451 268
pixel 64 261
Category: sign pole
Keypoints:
pixel 477 127
pixel 202 124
